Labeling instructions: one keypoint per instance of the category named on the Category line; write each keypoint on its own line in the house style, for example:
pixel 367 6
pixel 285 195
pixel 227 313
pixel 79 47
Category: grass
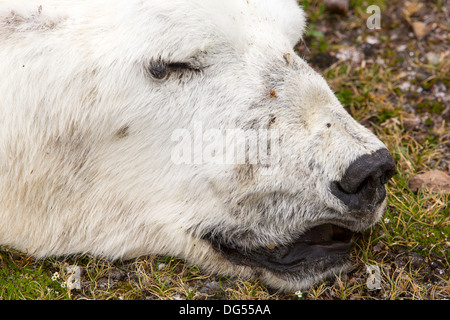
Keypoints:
pixel 410 244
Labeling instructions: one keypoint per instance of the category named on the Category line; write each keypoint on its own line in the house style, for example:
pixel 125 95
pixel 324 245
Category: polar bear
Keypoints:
pixel 114 117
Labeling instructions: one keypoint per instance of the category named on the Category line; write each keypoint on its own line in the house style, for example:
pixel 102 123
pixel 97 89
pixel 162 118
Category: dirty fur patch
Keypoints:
pixel 23 21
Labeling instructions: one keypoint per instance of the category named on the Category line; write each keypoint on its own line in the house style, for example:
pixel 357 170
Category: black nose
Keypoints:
pixel 362 186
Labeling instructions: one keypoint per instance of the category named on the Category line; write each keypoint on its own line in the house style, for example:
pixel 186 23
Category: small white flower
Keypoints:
pixel 55 276
pixel 386 220
pixel 299 294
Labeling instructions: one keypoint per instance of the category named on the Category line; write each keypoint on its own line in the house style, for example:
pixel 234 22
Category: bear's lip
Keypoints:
pixel 325 241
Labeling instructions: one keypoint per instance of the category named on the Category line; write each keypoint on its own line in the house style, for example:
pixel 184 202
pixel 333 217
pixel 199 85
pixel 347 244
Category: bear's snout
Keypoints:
pixel 362 186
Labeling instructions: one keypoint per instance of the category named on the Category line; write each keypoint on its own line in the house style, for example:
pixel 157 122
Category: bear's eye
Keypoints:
pixel 160 70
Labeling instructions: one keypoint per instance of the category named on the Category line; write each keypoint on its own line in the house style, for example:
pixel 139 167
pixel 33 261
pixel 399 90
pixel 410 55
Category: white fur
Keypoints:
pixel 85 132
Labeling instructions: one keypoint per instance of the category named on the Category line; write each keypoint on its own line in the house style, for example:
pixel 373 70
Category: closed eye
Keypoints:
pixel 182 66
pixel 160 70
pixel 183 71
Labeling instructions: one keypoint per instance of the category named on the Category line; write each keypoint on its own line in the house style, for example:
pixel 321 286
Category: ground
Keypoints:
pixel 395 81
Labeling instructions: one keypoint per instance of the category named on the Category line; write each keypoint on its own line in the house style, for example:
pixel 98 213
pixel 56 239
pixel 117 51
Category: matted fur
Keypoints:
pixel 86 132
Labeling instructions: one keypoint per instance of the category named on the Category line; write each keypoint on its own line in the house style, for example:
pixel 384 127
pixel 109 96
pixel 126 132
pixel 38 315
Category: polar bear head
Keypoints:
pixel 187 128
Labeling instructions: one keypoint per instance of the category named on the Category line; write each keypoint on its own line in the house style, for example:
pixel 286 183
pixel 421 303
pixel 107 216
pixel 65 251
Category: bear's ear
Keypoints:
pixel 293 19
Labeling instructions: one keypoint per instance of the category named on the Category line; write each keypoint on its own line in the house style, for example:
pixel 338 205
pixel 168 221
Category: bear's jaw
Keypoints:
pixel 323 242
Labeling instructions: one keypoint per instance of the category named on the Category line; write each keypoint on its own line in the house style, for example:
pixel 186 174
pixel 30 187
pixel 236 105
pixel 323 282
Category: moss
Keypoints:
pixel 430 106
pixel 24 279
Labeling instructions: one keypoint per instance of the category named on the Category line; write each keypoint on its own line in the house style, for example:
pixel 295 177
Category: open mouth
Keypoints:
pixel 320 242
